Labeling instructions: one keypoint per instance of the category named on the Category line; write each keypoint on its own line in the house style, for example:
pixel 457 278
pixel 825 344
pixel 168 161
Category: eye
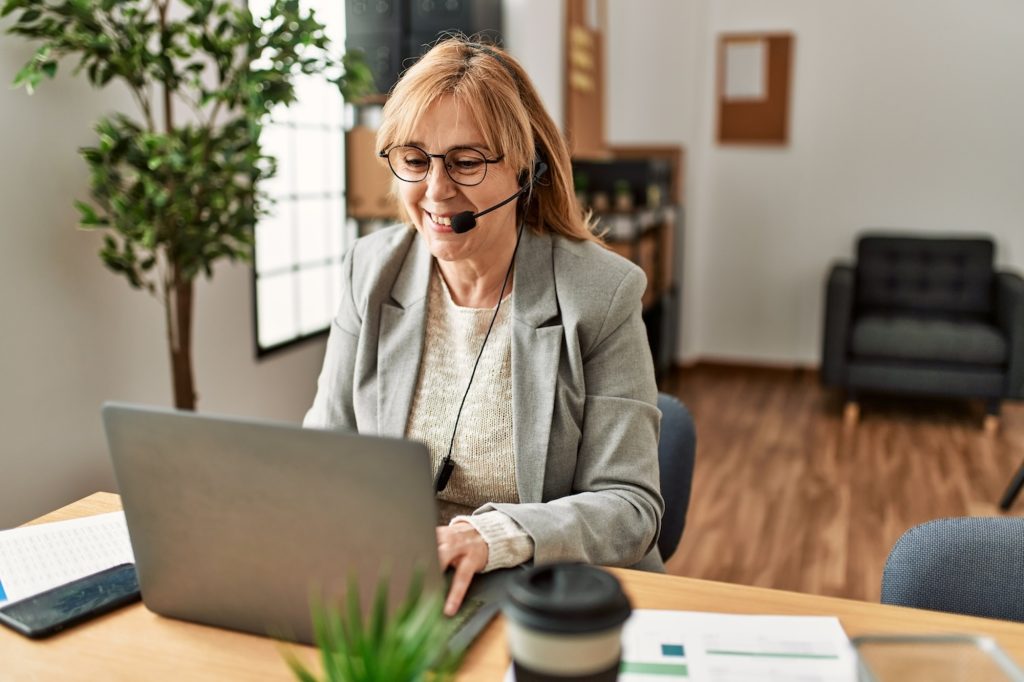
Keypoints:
pixel 414 161
pixel 465 161
pixel 468 164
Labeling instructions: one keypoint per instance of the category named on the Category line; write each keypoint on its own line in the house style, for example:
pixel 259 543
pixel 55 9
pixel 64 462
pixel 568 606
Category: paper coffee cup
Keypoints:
pixel 564 622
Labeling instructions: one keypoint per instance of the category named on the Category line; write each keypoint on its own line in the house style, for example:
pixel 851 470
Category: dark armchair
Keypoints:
pixel 924 316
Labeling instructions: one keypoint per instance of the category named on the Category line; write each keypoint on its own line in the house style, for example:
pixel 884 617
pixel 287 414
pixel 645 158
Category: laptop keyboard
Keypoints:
pixel 466 611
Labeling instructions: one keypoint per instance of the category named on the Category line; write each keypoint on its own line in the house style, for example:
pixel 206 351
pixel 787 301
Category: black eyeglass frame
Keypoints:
pixel 386 154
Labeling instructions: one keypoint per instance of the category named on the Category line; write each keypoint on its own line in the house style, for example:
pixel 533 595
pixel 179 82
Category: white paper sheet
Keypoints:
pixel 745 70
pixel 35 558
pixel 672 646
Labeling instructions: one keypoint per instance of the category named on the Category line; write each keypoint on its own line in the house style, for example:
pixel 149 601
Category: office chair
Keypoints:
pixel 970 566
pixel 676 451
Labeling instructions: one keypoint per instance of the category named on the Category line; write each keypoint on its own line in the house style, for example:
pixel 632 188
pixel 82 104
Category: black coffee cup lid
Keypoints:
pixel 567 599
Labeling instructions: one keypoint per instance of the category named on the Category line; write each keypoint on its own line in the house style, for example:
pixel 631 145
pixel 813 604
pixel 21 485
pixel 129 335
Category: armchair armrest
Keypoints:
pixel 839 299
pixel 1010 318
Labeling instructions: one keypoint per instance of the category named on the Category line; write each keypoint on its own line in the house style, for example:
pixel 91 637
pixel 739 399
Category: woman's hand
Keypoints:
pixel 461 547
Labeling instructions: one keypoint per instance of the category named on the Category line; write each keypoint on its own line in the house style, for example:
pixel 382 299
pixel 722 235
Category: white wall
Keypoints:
pixel 535 35
pixel 904 114
pixel 655 73
pixel 651 50
pixel 74 334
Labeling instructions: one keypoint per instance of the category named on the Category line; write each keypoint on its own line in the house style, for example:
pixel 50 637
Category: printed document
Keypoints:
pixel 671 646
pixel 35 558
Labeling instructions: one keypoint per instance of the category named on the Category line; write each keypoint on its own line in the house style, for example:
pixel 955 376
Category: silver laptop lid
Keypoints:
pixel 237 523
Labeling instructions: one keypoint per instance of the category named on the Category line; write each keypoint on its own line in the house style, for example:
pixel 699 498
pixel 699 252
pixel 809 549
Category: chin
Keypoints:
pixel 442 245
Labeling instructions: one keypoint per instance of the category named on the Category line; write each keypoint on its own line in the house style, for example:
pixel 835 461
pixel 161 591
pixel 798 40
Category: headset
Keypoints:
pixel 464 222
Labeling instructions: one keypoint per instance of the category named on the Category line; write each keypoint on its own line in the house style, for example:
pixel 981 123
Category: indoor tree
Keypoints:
pixel 175 186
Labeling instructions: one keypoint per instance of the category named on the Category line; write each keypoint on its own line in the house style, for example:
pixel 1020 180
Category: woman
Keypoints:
pixel 553 456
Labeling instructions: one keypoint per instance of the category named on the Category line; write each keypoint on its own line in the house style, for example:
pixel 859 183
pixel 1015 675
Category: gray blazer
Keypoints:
pixel 585 420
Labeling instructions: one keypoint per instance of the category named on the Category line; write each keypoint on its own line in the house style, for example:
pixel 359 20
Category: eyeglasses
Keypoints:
pixel 464 165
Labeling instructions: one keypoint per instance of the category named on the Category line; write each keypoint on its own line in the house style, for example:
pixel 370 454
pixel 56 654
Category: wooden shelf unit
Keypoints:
pixel 646 233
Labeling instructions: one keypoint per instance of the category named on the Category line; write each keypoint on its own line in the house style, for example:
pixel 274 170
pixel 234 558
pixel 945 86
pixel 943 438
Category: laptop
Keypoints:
pixel 239 523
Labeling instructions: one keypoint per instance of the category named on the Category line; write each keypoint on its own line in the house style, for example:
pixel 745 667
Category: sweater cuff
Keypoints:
pixel 507 543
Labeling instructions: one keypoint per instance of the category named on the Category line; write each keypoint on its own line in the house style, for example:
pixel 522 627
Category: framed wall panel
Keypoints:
pixel 754 88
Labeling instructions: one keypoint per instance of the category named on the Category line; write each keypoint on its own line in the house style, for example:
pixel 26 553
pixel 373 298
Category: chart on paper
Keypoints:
pixel 653 654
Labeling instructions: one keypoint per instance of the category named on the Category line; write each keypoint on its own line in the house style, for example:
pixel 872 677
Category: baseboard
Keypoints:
pixel 725 362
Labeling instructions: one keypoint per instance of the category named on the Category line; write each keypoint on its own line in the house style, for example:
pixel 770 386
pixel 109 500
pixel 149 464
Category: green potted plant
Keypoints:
pixel 406 645
pixel 175 187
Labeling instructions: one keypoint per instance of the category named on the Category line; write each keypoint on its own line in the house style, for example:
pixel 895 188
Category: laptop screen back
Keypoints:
pixel 240 523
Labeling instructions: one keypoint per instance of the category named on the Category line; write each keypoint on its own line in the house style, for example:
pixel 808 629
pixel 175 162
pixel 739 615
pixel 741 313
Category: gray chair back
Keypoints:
pixel 971 566
pixel 925 274
pixel 677 448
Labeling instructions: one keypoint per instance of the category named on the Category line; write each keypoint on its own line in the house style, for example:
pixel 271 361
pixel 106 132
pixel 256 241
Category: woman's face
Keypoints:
pixel 432 202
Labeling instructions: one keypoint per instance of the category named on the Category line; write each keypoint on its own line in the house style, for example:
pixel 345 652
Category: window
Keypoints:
pixel 299 245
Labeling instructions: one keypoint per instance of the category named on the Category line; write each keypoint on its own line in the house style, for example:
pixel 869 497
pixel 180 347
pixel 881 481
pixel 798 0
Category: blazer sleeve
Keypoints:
pixel 333 405
pixel 613 514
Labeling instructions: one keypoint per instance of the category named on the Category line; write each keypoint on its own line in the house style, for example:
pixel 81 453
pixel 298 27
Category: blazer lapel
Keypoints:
pixel 400 342
pixel 536 349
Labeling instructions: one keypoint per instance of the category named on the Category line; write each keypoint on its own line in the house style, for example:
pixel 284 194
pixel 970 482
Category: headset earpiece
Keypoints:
pixel 540 169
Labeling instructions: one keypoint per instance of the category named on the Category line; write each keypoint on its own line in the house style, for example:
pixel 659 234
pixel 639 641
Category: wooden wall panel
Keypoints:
pixel 584 80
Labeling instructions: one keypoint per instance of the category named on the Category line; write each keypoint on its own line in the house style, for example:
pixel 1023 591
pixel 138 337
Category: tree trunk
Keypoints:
pixel 179 339
pixel 178 295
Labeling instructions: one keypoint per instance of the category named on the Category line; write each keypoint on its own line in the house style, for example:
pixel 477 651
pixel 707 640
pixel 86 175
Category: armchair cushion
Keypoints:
pixel 927 339
pixel 926 275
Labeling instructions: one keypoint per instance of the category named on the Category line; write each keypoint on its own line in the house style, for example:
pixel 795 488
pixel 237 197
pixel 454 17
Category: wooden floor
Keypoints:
pixel 785 496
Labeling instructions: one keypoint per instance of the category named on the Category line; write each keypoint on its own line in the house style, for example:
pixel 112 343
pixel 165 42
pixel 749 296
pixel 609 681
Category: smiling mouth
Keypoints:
pixel 441 220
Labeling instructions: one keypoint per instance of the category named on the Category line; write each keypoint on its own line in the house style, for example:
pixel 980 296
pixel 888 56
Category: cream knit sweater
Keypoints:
pixel 485 467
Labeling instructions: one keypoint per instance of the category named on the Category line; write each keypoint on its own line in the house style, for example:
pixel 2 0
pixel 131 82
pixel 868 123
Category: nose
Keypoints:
pixel 439 185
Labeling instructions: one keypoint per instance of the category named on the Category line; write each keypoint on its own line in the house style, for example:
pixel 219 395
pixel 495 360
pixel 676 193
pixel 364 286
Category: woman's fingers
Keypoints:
pixel 464 571
pixel 444 550
pixel 461 546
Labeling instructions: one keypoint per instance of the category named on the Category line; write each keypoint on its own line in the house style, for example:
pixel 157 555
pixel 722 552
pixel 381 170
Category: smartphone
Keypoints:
pixel 61 607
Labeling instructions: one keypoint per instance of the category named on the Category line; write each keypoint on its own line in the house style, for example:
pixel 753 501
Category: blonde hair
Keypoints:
pixel 495 89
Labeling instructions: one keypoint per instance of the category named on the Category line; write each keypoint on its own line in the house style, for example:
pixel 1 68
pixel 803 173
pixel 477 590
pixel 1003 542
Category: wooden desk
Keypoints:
pixel 132 643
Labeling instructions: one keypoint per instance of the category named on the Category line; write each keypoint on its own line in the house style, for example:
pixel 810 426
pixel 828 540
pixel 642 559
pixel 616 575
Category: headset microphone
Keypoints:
pixel 466 221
